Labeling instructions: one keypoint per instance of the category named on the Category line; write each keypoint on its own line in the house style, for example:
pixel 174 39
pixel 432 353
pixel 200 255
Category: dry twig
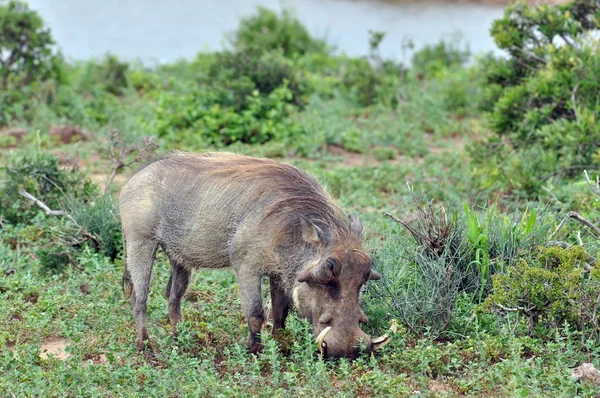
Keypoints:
pixel 119 151
pixel 573 215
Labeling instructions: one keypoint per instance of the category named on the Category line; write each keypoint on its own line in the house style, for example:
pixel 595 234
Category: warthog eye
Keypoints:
pixel 333 265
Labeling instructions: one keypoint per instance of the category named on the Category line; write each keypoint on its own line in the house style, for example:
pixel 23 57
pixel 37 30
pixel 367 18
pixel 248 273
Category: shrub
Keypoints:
pixel 549 288
pixel 422 280
pixel 266 31
pixel 234 76
pixel 39 174
pixel 196 121
pixel 543 99
pixel 431 59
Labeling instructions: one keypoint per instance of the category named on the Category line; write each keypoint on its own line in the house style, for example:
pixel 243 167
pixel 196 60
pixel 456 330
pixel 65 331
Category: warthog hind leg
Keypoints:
pixel 179 280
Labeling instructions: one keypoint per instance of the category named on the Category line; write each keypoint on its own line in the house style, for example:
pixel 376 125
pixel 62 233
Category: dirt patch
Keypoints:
pixel 438 386
pixel 55 346
pixel 451 144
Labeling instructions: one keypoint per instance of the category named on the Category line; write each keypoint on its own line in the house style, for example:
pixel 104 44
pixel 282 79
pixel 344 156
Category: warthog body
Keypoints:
pixel 259 217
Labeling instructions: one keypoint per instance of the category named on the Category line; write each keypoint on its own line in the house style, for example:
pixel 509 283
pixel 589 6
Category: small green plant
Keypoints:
pixel 384 153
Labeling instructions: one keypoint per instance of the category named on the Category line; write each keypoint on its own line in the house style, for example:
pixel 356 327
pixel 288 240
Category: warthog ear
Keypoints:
pixel 310 232
pixel 355 225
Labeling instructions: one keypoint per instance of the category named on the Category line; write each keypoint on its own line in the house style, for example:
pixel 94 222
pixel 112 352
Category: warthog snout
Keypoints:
pixel 333 343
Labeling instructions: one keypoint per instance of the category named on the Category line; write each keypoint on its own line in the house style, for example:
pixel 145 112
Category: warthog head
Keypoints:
pixel 328 290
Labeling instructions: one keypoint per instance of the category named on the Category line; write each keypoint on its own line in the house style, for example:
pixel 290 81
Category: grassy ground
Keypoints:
pixel 67 330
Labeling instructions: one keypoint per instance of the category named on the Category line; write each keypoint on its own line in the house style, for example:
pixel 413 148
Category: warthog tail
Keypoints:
pixel 126 285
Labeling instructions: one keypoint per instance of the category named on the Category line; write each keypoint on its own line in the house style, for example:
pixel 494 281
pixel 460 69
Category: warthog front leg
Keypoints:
pixel 252 306
pixel 179 280
pixel 280 304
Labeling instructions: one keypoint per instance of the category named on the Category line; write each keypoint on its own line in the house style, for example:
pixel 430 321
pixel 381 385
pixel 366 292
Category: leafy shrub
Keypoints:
pixel 542 99
pixel 549 288
pixel 431 59
pixel 39 174
pixel 370 80
pixel 25 47
pixel 102 76
pixel 234 76
pixel 26 58
pixel 266 31
pixel 196 121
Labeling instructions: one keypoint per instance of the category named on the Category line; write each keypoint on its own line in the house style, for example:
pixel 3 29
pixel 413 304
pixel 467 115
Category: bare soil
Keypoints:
pixel 55 346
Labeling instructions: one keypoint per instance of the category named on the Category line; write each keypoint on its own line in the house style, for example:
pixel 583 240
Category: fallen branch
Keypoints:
pixel 573 215
pixel 71 260
pixel 516 309
pixel 45 207
pixel 86 235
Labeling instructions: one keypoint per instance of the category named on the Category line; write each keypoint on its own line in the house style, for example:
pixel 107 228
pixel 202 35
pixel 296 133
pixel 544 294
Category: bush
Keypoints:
pixel 550 288
pixel 39 174
pixel 543 99
pixel 431 59
pixel 198 121
pixel 109 75
pixel 421 279
pixel 234 76
pixel 267 31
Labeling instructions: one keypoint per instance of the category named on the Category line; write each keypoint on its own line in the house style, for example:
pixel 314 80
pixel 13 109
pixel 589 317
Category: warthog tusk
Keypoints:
pixel 321 344
pixel 382 341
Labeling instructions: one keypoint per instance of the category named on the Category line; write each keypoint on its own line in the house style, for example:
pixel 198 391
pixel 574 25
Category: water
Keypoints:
pixel 158 31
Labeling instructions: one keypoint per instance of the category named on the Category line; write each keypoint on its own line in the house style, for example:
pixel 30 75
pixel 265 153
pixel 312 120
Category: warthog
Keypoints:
pixel 259 217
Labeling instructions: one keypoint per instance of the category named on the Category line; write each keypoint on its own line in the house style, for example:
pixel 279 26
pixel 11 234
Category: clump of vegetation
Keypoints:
pixel 432 59
pixel 266 31
pixel 450 255
pixel 553 286
pixel 542 99
pixel 235 76
pixel 27 56
pixel 39 174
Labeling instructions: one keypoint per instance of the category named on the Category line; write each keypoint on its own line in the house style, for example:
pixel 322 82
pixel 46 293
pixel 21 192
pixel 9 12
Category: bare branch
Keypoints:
pixel 517 308
pixel 573 215
pixel 594 187
pixel 118 152
pixel 45 207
